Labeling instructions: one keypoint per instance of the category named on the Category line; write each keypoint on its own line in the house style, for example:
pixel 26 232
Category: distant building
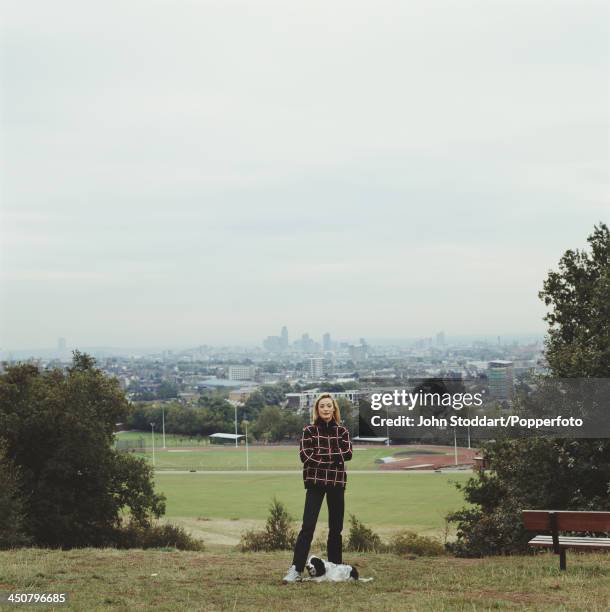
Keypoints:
pixel 240 396
pixel 306 344
pixel 500 379
pixel 241 372
pixel 316 367
pixel 273 344
pixel 284 338
pixel 326 342
pixel 304 401
pixel 358 354
pixel 440 338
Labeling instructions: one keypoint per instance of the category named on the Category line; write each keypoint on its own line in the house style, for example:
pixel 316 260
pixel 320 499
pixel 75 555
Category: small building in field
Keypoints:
pixel 225 438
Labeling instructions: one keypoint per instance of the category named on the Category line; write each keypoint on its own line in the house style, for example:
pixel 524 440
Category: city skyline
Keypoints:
pixel 64 346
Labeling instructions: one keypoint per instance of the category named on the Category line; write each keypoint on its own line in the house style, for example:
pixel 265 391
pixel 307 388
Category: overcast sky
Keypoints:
pixel 205 172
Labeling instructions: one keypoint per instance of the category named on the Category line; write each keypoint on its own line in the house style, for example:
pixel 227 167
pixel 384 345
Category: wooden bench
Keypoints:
pixel 554 521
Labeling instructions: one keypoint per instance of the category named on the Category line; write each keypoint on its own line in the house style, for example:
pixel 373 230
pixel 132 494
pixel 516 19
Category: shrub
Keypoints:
pixel 278 534
pixel 410 543
pixel 12 514
pixel 363 539
pixel 134 535
pixel 535 473
pixel 488 529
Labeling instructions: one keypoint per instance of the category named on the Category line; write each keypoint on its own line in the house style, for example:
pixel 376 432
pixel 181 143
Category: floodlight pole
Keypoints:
pixel 235 425
pixel 455 446
pixel 163 418
pixel 152 426
pixel 247 454
pixel 387 426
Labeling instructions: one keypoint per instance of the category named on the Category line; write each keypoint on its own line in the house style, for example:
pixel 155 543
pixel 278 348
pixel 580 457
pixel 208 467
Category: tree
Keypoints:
pixel 12 516
pixel 167 390
pixel 59 433
pixel 349 415
pixel 569 474
pixel 276 424
pixel 254 405
pixel 578 341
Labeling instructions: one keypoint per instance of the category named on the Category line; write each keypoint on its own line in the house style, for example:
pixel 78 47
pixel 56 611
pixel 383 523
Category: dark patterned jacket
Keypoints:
pixel 323 450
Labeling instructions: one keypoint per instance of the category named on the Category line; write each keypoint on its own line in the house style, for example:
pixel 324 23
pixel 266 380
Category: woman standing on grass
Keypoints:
pixel 325 446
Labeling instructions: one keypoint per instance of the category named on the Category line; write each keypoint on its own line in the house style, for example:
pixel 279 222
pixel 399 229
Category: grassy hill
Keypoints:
pixel 101 579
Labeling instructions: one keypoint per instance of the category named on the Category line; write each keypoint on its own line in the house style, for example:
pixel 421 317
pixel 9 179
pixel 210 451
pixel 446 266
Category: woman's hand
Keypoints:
pixel 310 453
pixel 345 444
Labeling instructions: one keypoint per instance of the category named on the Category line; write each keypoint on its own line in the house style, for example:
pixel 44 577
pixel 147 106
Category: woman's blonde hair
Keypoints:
pixel 336 412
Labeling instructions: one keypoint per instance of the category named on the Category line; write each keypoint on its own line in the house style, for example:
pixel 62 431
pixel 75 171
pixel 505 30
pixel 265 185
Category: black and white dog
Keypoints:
pixel 321 571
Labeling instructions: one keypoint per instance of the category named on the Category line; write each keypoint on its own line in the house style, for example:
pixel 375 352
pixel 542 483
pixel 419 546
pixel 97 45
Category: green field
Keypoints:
pixel 171 440
pixel 259 458
pixel 177 455
pixel 219 507
pixel 103 579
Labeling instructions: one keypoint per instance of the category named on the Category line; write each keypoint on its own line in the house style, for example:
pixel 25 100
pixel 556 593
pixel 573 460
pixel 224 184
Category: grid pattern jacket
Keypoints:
pixel 323 450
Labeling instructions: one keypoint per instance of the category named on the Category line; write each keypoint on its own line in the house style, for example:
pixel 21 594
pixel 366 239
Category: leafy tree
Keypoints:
pixel 349 415
pixel 267 426
pixel 571 474
pixel 578 341
pixel 12 515
pixel 59 432
pixel 254 404
pixel 276 424
pixel 167 390
pixel 332 387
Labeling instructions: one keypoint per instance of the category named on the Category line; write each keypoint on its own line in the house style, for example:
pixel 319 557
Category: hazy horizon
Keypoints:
pixel 192 173
pixel 451 340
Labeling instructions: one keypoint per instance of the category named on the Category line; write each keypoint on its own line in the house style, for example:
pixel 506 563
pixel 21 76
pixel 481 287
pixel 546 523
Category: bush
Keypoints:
pixel 410 543
pixel 12 514
pixel 278 533
pixel 535 473
pixel 134 535
pixel 363 539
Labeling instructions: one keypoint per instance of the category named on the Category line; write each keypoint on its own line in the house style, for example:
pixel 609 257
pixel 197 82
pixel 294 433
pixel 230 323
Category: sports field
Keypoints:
pixel 183 453
pixel 219 507
pixel 259 458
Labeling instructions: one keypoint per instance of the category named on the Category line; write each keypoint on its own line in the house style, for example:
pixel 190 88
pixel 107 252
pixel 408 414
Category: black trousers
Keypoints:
pixel 335 500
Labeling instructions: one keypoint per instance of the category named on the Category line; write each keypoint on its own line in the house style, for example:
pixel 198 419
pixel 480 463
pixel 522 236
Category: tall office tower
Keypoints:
pixel 284 337
pixel 316 367
pixel 326 342
pixel 61 344
pixel 500 378
pixel 308 345
pixel 440 338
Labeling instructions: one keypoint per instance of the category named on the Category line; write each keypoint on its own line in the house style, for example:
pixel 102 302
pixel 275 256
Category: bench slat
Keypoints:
pixel 571 542
pixel 567 520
